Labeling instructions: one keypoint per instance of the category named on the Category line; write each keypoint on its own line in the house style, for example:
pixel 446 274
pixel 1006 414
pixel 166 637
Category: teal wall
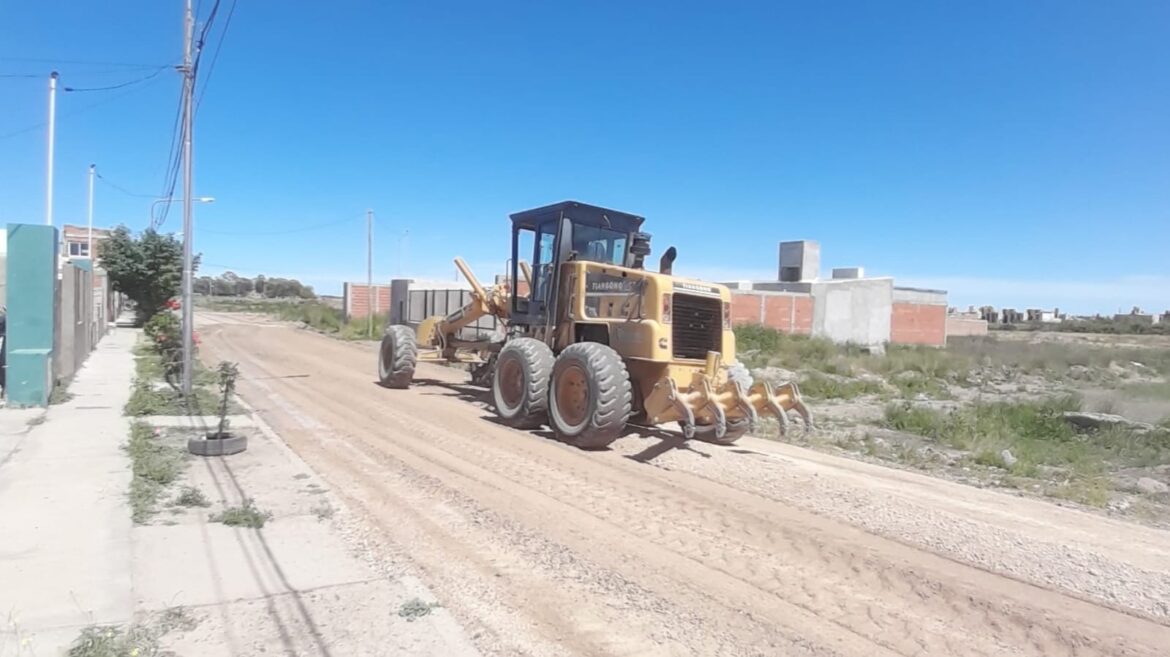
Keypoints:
pixel 32 280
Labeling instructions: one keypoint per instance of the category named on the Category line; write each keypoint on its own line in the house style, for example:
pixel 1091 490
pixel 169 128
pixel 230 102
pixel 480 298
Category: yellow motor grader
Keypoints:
pixel 593 341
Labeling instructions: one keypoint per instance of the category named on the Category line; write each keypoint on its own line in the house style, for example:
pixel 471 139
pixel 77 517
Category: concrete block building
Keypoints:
pixel 848 307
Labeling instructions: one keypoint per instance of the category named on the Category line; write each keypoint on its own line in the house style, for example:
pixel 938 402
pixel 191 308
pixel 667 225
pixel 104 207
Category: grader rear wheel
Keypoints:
pixel 591 396
pixel 520 382
pixel 397 357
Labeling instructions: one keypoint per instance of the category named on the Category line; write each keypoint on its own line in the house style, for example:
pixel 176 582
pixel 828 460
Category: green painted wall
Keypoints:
pixel 32 280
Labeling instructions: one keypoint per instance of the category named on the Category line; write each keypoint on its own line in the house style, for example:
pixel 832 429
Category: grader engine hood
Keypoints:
pixel 677 336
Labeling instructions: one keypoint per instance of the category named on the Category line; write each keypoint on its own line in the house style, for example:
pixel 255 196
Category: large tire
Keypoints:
pixel 397 357
pixel 520 382
pixel 590 398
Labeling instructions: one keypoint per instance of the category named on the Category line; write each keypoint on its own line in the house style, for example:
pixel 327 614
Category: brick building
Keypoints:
pixel 849 307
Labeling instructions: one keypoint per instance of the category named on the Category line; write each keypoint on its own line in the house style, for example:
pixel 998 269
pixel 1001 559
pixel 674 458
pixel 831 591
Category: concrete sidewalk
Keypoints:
pixel 65 545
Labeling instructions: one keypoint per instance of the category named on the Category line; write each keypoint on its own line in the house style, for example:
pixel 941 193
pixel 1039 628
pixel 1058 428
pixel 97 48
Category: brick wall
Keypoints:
pixel 918 323
pixel 355 300
pixel 958 326
pixel 789 313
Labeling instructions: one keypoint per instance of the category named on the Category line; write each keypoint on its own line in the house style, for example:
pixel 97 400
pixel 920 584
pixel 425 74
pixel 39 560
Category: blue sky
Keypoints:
pixel 1015 153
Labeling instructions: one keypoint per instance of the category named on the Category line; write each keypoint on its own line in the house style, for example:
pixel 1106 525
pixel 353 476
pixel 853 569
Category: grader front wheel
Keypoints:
pixel 590 398
pixel 397 357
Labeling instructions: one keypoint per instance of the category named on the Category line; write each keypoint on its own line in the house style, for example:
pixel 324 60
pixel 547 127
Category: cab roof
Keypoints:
pixel 580 213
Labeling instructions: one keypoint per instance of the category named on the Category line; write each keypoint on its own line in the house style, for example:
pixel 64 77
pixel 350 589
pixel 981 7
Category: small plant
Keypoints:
pixel 323 511
pixel 113 641
pixel 162 330
pixel 245 515
pixel 414 609
pixel 60 394
pixel 191 496
pixel 154 466
pixel 227 375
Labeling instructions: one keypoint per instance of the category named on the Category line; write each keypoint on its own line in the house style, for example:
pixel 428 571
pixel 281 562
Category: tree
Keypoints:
pixel 148 269
pixel 243 287
pixel 259 284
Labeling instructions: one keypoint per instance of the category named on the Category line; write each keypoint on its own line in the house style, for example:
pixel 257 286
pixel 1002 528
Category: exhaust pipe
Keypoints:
pixel 666 264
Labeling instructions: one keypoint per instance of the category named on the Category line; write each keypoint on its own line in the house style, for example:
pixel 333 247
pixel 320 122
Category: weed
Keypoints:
pixel 113 641
pixel 146 400
pixel 414 609
pixel 138 640
pixel 1148 390
pixel 323 511
pixel 60 395
pixel 246 515
pixel 819 386
pixel 1038 437
pixel 191 496
pixel 154 467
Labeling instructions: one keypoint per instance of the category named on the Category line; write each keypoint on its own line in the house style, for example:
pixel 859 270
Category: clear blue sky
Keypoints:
pixel 1015 153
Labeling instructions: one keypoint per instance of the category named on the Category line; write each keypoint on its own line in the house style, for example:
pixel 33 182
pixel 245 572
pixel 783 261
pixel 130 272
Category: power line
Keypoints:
pixel 179 133
pixel 79 110
pixel 123 84
pixel 120 188
pixel 80 62
pixel 215 56
pixel 21 75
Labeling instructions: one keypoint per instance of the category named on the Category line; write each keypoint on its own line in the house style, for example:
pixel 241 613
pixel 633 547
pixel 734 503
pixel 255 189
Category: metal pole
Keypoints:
pixel 188 97
pixel 52 137
pixel 371 299
pixel 89 214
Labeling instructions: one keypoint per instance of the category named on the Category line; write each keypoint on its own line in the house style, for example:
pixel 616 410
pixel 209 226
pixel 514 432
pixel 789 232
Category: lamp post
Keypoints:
pixel 163 201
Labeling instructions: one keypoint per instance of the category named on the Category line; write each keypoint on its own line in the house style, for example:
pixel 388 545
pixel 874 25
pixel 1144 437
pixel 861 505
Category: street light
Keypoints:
pixel 197 199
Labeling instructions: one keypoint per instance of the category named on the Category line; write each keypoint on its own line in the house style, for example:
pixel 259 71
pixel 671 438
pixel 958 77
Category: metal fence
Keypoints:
pixel 421 304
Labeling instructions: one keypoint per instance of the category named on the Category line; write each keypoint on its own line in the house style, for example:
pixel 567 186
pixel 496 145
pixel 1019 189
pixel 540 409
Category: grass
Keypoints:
pixel 819 386
pixel 414 609
pixel 1154 390
pixel 154 466
pixel 148 399
pixel 137 640
pixel 1038 437
pixel 245 515
pixel 314 314
pixel 60 395
pixel 191 496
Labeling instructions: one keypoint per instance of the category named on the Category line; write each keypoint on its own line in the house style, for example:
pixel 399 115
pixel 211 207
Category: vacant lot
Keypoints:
pixel 1083 418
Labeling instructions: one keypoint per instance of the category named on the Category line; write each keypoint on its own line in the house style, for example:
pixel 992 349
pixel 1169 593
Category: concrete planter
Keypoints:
pixel 214 444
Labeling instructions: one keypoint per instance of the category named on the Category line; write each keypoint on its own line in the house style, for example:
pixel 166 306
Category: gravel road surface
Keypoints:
pixel 662 547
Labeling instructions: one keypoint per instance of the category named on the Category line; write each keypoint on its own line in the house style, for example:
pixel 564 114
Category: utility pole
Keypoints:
pixel 371 299
pixel 188 119
pixel 89 215
pixel 49 159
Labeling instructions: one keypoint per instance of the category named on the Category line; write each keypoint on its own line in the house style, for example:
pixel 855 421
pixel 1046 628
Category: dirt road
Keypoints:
pixel 658 547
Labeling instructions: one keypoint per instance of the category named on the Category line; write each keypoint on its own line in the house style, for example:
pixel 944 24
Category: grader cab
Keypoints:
pixel 594 340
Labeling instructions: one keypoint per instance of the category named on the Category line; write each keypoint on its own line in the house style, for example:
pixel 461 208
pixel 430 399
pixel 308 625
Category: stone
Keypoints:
pixel 1086 420
pixel 1151 486
pixel 1009 459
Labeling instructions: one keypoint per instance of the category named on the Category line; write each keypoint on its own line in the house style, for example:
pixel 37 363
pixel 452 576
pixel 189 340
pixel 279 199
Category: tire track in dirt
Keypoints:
pixel 717 553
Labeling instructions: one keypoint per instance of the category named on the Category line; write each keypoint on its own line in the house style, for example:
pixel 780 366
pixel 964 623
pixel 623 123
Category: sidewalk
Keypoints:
pixel 71 558
pixel 64 528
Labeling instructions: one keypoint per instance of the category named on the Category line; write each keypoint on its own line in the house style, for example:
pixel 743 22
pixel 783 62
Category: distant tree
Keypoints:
pixel 243 287
pixel 202 285
pixel 221 287
pixel 148 269
pixel 259 284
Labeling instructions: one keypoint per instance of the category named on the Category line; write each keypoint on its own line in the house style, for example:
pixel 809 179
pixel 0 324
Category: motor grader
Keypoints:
pixel 593 340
